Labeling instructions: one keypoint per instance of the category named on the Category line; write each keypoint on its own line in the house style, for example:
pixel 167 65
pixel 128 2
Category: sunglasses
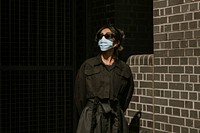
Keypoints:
pixel 108 36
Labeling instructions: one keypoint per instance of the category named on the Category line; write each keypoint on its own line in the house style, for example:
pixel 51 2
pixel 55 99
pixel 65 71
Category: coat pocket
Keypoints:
pixel 121 80
pixel 91 72
pixel 123 74
pixel 92 79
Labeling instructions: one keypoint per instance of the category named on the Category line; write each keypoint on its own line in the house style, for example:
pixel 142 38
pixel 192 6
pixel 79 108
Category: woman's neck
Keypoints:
pixel 107 57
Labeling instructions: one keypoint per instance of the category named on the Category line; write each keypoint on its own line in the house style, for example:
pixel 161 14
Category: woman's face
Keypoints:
pixel 106 30
pixel 109 32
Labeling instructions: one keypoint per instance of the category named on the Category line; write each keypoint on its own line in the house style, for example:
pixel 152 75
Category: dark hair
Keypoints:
pixel 117 33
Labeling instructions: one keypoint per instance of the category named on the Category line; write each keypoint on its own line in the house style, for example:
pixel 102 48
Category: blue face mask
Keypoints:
pixel 105 44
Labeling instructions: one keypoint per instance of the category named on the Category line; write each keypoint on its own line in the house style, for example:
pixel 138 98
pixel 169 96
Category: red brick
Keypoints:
pixel 184 129
pixel 193 7
pixel 193 25
pixel 156 12
pixel 176 129
pixel 188 16
pixel 161 118
pixel 168 11
pixel 184 78
pixel 159 101
pixel 192 61
pixel 188 35
pixel 185 8
pixel 189 122
pixel 197 88
pixel 192 43
pixel 159 4
pixel 176 120
pixel 189 87
pixel 188 105
pixel 189 52
pixel 176 52
pixel 183 61
pixel 175 27
pixel 197 124
pixel 184 26
pixel 193 130
pixel 184 95
pixel 145 84
pixel 193 114
pixel 176 18
pixel 197 15
pixel 160 69
pixel 184 113
pixel 197 69
pixel 176 103
pixel 176 69
pixel 160 37
pixel 197 105
pixel 192 96
pixel 197 34
pixel 163 53
pixel 176 111
pixel 176 86
pixel 175 61
pixel 176 36
pixel 146 100
pixel 176 9
pixel 175 2
pixel 160 20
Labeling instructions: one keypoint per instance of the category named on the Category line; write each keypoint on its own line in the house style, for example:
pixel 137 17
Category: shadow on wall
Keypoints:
pixel 134 126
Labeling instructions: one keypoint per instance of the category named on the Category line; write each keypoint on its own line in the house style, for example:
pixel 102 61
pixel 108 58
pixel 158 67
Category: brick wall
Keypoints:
pixel 168 90
pixel 142 69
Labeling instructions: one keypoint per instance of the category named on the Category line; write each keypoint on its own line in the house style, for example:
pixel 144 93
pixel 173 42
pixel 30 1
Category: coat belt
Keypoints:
pixel 105 107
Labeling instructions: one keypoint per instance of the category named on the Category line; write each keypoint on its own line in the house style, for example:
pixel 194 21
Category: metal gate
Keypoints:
pixel 36 66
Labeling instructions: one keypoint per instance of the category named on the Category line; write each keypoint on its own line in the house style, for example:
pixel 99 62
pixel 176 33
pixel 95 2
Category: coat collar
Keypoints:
pixel 98 61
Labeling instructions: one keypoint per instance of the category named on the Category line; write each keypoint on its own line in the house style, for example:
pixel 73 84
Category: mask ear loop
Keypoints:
pixel 120 38
pixel 96 37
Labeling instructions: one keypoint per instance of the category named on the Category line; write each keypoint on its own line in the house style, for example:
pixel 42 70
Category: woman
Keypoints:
pixel 104 87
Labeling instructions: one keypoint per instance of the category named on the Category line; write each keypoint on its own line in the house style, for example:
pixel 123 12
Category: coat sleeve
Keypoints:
pixel 129 91
pixel 80 90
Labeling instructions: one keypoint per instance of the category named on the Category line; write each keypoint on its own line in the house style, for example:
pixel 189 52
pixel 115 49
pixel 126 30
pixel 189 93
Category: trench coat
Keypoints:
pixel 102 94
